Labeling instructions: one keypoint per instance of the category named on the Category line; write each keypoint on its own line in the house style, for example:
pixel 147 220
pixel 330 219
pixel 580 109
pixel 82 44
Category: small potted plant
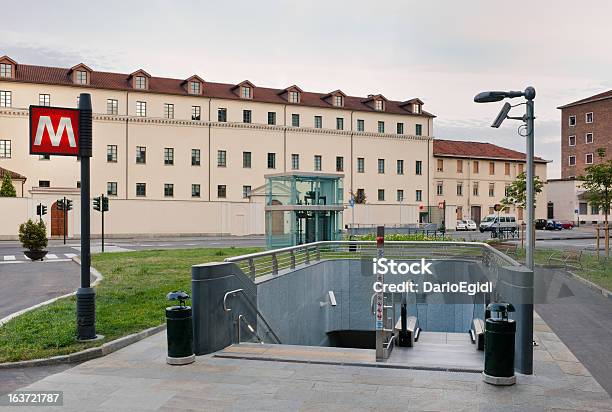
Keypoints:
pixel 33 237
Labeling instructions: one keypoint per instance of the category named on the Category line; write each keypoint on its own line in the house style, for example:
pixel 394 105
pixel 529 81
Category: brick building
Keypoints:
pixel 586 125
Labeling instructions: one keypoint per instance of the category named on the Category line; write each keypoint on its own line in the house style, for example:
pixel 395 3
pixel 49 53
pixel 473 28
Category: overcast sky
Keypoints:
pixel 441 51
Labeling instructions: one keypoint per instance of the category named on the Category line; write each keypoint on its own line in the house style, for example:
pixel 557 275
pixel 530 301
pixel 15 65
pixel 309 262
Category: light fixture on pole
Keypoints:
pixel 525 313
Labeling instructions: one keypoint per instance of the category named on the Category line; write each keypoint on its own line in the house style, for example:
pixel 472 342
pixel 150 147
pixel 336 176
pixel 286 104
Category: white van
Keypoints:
pixel 490 223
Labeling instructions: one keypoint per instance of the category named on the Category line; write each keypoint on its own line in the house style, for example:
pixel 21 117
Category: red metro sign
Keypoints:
pixel 54 131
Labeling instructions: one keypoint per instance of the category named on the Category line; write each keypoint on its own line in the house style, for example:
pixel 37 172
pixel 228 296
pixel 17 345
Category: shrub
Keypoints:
pixel 7 189
pixel 33 236
pixel 403 237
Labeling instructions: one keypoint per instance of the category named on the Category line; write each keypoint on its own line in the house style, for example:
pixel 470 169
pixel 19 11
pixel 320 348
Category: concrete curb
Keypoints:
pixel 87 354
pixel 605 292
pixel 75 259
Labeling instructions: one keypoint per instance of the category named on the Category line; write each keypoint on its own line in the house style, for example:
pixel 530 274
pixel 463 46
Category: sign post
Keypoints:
pixel 61 131
pixel 86 295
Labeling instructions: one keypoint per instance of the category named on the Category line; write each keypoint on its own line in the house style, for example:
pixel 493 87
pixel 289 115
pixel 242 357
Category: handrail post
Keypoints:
pixel 318 252
pixel 307 255
pixel 252 268
pixel 274 264
pixel 292 265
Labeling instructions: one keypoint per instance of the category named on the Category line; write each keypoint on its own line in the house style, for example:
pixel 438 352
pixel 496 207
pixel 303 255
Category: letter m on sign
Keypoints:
pixel 54 131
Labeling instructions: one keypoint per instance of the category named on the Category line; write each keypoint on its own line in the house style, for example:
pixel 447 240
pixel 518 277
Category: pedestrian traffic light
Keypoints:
pixel 60 204
pixel 68 204
pixel 104 203
pixel 96 203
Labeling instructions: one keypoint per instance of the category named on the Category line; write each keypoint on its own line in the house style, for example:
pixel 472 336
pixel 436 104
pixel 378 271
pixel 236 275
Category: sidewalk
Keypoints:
pixel 137 378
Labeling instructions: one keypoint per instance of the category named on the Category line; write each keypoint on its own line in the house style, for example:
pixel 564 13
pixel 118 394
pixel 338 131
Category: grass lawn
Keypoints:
pixel 598 271
pixel 132 297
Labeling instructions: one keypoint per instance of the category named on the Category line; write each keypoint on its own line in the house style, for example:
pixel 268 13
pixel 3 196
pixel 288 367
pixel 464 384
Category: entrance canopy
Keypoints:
pixel 303 208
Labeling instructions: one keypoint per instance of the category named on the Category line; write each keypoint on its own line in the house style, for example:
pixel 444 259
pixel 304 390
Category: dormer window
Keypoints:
pixel 338 101
pixel 140 82
pixel 7 67
pixel 379 105
pixel 245 92
pixel 81 77
pixel 195 87
pixel 294 97
pixel 416 108
pixel 6 70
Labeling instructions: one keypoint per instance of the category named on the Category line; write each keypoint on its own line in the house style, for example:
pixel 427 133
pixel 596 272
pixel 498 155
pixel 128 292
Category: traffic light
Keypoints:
pixel 41 209
pixel 105 203
pixel 96 203
pixel 60 204
pixel 68 204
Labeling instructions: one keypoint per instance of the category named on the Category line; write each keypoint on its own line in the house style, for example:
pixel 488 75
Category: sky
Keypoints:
pixel 443 52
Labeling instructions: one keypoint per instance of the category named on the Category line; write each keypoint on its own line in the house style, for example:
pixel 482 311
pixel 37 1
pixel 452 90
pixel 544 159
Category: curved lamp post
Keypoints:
pixel 524 360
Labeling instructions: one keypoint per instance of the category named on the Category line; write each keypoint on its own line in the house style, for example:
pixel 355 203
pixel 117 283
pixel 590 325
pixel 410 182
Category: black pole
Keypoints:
pixel 86 295
pixel 102 207
pixel 65 218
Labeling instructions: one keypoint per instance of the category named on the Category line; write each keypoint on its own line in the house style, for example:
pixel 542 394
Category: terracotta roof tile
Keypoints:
pixel 476 150
pixel 600 96
pixel 119 81
pixel 14 175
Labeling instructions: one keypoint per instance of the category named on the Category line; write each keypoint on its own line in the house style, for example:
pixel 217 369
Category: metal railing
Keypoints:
pixel 242 319
pixel 273 262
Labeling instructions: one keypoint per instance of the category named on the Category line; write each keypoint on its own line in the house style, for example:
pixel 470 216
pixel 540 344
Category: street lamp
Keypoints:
pixel 525 311
pixel 528 118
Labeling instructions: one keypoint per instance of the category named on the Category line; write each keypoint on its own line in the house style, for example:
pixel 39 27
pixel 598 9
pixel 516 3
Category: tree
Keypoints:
pixel 597 183
pixel 516 193
pixel 7 189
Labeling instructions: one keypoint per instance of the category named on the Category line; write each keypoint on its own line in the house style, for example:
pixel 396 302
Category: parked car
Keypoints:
pixel 566 224
pixel 471 225
pixel 553 225
pixel 466 224
pixel 540 224
pixel 490 223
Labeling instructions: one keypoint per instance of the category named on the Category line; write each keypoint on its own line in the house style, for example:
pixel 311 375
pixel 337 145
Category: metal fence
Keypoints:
pixel 272 262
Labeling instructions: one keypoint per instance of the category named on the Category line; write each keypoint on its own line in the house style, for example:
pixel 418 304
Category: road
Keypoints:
pixel 27 284
pixel 581 318
pixel 12 250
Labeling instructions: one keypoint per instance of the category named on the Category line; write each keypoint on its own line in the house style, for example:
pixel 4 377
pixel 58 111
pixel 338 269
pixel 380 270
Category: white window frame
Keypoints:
pixel 140 82
pixel 6 98
pixel 245 92
pixel 294 97
pixel 318 163
pixel 586 117
pixel 44 99
pixel 569 141
pixel 141 109
pixel 586 138
pixel 112 106
pixel 5 149
pixel 379 105
pixel 586 158
pixel 569 121
pixel 81 77
pixel 569 160
pixel 169 110
pixel 338 101
pixel 195 87
pixel 6 70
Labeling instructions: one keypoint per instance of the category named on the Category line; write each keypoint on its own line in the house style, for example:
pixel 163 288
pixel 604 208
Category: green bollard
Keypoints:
pixel 499 346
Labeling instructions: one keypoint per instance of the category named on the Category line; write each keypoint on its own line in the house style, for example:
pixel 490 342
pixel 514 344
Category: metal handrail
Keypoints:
pixel 228 309
pixel 272 261
pixel 306 246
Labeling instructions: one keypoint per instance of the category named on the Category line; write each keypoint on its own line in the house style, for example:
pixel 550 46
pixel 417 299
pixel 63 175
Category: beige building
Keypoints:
pixel 183 155
pixel 473 177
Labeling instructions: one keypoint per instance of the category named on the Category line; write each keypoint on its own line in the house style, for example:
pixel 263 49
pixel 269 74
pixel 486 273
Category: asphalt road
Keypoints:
pixel 581 318
pixel 26 284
